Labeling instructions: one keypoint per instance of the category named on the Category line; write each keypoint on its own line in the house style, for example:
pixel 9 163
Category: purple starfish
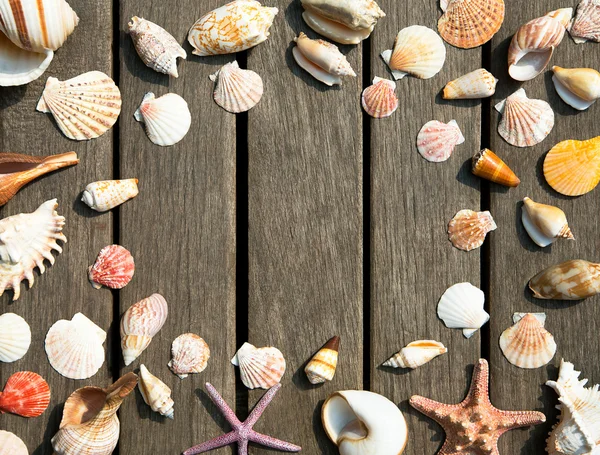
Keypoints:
pixel 242 433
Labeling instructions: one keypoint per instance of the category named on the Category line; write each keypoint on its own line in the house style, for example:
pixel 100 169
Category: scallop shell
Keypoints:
pixel 415 354
pixel 107 194
pixel 461 307
pixel 10 444
pixel 487 165
pixel 586 23
pixel 467 230
pixel 26 394
pixel 571 280
pixel 74 348
pixel 25 241
pixel 140 323
pixel 236 90
pixel 525 122
pixel 470 23
pixel 84 107
pixel 156 47
pixel 578 87
pixel 573 167
pixel 476 84
pixel 418 51
pixel 190 355
pixel 436 140
pixel 232 28
pixel 544 223
pixel 18 66
pixel 527 344
pixel 379 100
pixel 114 268
pixel 334 30
pixel 259 367
pixel 322 366
pixel 15 337
pixel 167 119
pixel 156 394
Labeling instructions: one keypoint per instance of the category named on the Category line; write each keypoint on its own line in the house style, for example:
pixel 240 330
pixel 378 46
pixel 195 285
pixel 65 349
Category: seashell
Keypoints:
pixel 578 430
pixel 476 84
pixel 527 344
pixel 11 444
pixel 533 45
pixel 322 60
pixel 190 354
pixel 461 307
pixel 232 28
pixel 156 47
pixel 361 422
pixel 578 87
pixel 334 30
pixel 25 241
pixel 84 107
pixel 167 119
pixel 107 194
pixel 237 90
pixel 26 394
pixel 20 67
pixel 415 354
pixel 573 167
pixel 525 122
pixel 90 424
pixel 470 23
pixel 379 100
pixel 74 348
pixel 114 268
pixel 571 280
pixel 467 230
pixel 585 25
pixel 259 367
pixel 418 51
pixel 544 223
pixel 436 140
pixel 15 337
pixel 140 323
pixel 322 366
pixel 487 165
pixel 156 394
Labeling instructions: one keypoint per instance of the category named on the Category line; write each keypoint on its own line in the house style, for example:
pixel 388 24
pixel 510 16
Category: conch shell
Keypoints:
pixel 572 280
pixel 544 223
pixel 474 85
pixel 415 354
pixel 155 393
pixel 578 87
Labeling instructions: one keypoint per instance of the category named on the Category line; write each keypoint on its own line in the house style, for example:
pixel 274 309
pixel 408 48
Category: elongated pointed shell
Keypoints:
pixel 190 354
pixel 436 140
pixel 156 394
pixel 471 23
pixel 544 223
pixel 527 344
pixel 354 14
pixel 379 100
pixel 461 307
pixel 15 337
pixel 259 367
pixel 578 87
pixel 156 47
pixel 20 67
pixel 167 119
pixel 140 323
pixel 26 394
pixel 487 165
pixel 232 28
pixel 361 422
pixel 107 194
pixel 114 268
pixel 476 84
pixel 586 24
pixel 236 90
pixel 571 280
pixel 334 30
pixel 322 366
pixel 467 230
pixel 74 348
pixel 11 444
pixel 416 354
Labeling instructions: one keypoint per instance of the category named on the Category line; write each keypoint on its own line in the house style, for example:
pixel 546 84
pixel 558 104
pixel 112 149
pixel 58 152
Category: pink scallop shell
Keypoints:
pixel 114 268
pixel 436 140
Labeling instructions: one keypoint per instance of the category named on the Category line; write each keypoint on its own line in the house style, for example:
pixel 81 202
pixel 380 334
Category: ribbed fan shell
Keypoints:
pixel 167 119
pixel 26 394
pixel 586 24
pixel 471 23
pixel 237 90
pixel 527 344
pixel 15 337
pixel 379 100
pixel 114 268
pixel 259 367
pixel 11 444
pixel 467 230
pixel 190 354
pixel 436 140
pixel 461 307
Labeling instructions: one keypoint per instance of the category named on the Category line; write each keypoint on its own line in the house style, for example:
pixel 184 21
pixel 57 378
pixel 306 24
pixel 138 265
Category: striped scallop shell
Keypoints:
pixel 586 24
pixel 26 394
pixel 107 194
pixel 415 354
pixel 461 307
pixel 467 230
pixel 527 344
pixel 15 337
pixel 11 444
pixel 525 122
pixel 167 119
pixel 156 394
pixel 322 366
pixel 74 348
pixel 379 100
pixel 259 367
pixel 236 90
pixel 114 268
pixel 471 23
pixel 190 354
pixel 476 84
pixel 436 140
pixel 18 66
pixel 84 107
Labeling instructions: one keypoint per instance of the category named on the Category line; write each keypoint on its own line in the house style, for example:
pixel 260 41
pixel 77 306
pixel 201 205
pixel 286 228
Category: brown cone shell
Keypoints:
pixel 487 165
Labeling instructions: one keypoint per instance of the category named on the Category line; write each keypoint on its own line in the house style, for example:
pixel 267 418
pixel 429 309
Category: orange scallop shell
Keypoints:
pixel 471 23
pixel 26 394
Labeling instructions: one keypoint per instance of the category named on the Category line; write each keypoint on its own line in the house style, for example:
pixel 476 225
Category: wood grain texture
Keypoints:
pixel 514 258
pixel 63 290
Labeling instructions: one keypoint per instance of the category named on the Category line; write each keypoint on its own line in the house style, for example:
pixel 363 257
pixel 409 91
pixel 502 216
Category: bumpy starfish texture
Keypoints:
pixel 474 425
pixel 242 433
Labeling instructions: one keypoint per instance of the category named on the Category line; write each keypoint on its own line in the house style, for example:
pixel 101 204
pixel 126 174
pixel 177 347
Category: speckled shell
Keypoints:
pixel 416 354
pixel 578 87
pixel 11 444
pixel 167 119
pixel 379 100
pixel 259 367
pixel 322 366
pixel 18 66
pixel 476 84
pixel 527 344
pixel 436 140
pixel 461 307
pixel 571 280
pixel 15 337
pixel 544 223
pixel 190 354
pixel 467 230
pixel 114 268
pixel 156 394
pixel 487 165
pixel 236 90
pixel 586 24
pixel 471 23
pixel 26 394
pixel 107 194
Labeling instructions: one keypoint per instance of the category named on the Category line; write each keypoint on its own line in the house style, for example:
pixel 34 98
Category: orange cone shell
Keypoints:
pixel 471 23
pixel 26 394
pixel 487 165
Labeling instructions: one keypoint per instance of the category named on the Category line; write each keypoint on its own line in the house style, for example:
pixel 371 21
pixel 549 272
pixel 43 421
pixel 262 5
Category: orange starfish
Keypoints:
pixel 474 425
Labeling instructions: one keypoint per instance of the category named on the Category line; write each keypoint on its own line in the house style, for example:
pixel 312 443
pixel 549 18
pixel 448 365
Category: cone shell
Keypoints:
pixel 525 122
pixel 487 165
pixel 527 344
pixel 573 167
pixel 156 47
pixel 11 444
pixel 114 268
pixel 232 28
pixel 467 230
pixel 15 337
pixel 18 66
pixel 259 367
pixel 190 354
pixel 107 194
pixel 418 51
pixel 26 394
pixel 586 24
pixel 84 107
pixel 572 280
pixel 354 14
pixel 156 394
pixel 544 223
pixel 461 307
pixel 25 241
pixel 236 90
pixel 334 30
pixel 476 84
pixel 471 23
pixel 578 87
pixel 436 140
pixel 74 348
pixel 167 119
pixel 379 100
pixel 140 323
pixel 322 366
pixel 416 354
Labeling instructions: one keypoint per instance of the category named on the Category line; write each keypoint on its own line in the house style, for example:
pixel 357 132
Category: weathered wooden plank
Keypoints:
pixel 514 258
pixel 64 289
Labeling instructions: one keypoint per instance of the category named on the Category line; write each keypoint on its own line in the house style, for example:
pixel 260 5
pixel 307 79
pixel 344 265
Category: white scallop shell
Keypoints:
pixel 18 66
pixel 108 194
pixel 527 344
pixel 379 100
pixel 156 394
pixel 167 118
pixel 74 348
pixel 190 354
pixel 415 354
pixel 236 90
pixel 436 140
pixel 259 367
pixel 586 23
pixel 461 307
pixel 15 337
pixel 11 444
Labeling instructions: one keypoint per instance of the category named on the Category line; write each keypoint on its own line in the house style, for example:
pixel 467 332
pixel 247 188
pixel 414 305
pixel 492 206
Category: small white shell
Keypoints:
pixel 461 307
pixel 167 119
pixel 190 354
pixel 11 444
pixel 544 223
pixel 15 337
pixel 474 85
pixel 436 140
pixel 527 344
pixel 237 90
pixel 259 367
pixel 334 30
pixel 107 194
pixel 415 354
pixel 156 394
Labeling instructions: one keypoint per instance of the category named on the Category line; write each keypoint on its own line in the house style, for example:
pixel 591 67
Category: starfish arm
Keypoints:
pixel 261 405
pixel 215 443
pixel 516 419
pixel 273 443
pixel 218 400
pixel 479 389
pixel 243 447
pixel 432 409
